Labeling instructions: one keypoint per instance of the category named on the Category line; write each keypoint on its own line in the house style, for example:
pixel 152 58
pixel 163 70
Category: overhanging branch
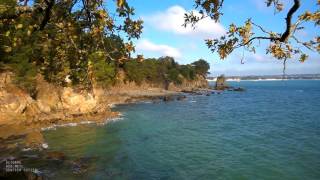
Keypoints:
pixel 254 38
pixel 293 9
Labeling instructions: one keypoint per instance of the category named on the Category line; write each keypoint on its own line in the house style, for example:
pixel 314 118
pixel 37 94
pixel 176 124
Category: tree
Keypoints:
pixel 281 45
pixel 57 38
pixel 201 67
pixel 163 70
pixel 187 71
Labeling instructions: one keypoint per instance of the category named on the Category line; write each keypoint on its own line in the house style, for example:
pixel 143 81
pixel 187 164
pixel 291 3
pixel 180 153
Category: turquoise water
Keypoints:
pixel 271 131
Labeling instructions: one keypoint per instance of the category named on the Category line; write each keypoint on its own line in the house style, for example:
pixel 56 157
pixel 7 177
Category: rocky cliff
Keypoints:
pixel 20 114
pixel 199 82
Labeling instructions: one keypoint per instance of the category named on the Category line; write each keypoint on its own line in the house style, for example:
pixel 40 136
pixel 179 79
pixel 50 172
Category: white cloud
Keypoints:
pixel 258 57
pixel 145 45
pixel 172 19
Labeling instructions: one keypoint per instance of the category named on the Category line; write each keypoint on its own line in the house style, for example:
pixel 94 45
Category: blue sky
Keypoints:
pixel 164 35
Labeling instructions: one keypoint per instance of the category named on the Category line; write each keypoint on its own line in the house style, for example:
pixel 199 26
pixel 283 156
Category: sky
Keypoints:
pixel 163 35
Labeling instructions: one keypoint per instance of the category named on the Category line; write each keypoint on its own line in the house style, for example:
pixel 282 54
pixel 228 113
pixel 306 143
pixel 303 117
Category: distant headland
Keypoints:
pixel 270 77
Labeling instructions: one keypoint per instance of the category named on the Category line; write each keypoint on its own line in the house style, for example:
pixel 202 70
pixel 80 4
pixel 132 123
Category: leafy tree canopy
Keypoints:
pixel 282 45
pixel 60 38
pixel 201 67
pixel 163 70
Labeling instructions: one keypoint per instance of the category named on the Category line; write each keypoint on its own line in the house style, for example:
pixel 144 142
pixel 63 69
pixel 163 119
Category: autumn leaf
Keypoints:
pixel 19 26
pixel 303 57
pixel 120 3
pixel 7 49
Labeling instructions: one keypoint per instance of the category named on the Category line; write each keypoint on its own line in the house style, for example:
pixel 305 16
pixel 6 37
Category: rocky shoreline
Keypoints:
pixel 23 116
pixel 27 138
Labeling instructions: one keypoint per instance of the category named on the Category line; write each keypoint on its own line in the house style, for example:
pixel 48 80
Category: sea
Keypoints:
pixel 269 131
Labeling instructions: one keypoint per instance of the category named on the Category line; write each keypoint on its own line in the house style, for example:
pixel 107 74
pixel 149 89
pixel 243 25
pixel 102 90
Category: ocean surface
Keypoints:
pixel 270 131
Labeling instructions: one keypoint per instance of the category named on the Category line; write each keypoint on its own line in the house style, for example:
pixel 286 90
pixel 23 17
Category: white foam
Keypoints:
pixel 49 128
pixel 45 146
pixel 86 122
pixel 55 126
pixel 147 102
pixel 112 120
pixel 26 149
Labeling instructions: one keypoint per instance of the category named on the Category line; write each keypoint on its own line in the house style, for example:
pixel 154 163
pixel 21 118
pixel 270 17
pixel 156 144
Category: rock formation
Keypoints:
pixel 221 83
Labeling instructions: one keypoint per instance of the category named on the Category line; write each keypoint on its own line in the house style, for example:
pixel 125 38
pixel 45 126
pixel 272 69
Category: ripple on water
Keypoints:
pixel 271 131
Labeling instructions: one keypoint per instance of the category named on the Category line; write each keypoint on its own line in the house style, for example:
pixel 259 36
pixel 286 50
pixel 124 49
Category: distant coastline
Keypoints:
pixel 270 77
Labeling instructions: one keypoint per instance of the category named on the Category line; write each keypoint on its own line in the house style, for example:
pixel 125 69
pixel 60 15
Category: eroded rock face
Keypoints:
pixel 11 103
pixel 22 117
pixel 51 102
pixel 76 102
pixel 221 83
pixel 48 98
pixel 13 100
pixel 189 85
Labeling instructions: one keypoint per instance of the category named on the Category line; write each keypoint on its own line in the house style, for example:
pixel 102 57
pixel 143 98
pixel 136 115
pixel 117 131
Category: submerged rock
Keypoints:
pixel 55 155
pixel 80 165
pixel 168 98
pixel 239 89
pixel 221 83
pixel 182 97
pixel 34 140
pixel 21 175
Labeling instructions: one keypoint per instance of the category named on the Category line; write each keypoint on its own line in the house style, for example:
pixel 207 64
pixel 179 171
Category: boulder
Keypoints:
pixel 78 102
pixel 47 97
pixel 80 165
pixel 34 140
pixel 221 83
pixel 168 98
pixel 55 155
pixel 182 97
pixel 13 100
pixel 239 89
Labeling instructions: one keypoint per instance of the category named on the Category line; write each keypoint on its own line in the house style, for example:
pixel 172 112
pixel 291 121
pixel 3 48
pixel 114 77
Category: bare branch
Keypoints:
pixel 293 9
pixel 303 43
pixel 254 38
pixel 261 28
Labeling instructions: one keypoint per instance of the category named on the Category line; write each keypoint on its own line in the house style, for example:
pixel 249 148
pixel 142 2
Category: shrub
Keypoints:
pixel 104 72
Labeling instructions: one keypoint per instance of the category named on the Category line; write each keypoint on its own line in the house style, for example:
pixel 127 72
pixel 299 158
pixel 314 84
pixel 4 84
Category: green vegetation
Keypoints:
pixel 74 42
pixel 162 70
pixel 104 73
pixel 201 67
pixel 69 38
